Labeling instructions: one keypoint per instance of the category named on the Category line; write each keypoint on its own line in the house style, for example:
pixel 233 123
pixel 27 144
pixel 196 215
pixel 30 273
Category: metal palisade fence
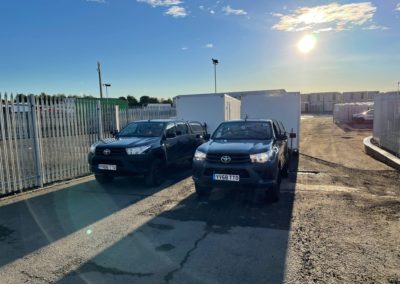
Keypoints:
pixel 134 114
pixel 47 139
pixel 387 121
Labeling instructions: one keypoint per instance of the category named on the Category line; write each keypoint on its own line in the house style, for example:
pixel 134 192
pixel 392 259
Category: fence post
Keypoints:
pixel 117 124
pixel 36 142
pixel 100 119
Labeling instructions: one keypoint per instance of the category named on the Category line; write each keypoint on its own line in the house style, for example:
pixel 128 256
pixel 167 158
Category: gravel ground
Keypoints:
pixel 345 225
pixel 338 221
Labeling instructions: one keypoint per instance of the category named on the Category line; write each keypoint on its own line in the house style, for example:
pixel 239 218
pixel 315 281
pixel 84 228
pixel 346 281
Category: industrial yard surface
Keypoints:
pixel 338 221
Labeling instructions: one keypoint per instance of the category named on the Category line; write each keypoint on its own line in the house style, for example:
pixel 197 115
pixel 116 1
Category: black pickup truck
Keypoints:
pixel 144 148
pixel 250 153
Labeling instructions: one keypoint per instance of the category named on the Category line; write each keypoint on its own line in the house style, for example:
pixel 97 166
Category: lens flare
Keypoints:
pixel 307 43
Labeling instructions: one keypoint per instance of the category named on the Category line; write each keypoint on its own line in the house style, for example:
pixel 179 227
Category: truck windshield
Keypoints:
pixel 143 129
pixel 244 130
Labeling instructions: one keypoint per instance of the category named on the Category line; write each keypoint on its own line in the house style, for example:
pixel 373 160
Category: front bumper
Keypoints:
pixel 251 174
pixel 126 165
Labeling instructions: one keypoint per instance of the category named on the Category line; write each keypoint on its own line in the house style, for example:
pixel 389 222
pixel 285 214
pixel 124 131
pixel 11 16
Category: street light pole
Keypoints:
pixel 107 85
pixel 100 85
pixel 215 62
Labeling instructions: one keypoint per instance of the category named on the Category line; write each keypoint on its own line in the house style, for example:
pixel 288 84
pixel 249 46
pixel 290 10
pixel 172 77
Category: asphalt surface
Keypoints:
pixel 335 223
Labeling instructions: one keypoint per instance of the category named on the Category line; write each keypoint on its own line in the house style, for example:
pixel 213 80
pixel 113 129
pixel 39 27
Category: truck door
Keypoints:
pixel 279 143
pixel 171 143
pixel 185 140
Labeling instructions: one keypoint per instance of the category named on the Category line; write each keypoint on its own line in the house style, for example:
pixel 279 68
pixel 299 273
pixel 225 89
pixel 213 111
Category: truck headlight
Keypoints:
pixel 137 150
pixel 199 156
pixel 260 157
pixel 93 148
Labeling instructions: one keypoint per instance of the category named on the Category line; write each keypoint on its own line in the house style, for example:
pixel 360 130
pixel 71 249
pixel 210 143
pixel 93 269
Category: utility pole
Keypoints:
pixel 101 86
pixel 215 62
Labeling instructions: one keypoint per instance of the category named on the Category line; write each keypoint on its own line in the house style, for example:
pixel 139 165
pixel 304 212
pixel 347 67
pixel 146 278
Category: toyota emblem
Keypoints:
pixel 226 159
pixel 107 152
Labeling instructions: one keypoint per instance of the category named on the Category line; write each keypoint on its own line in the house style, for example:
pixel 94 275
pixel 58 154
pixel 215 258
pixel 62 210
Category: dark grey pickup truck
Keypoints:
pixel 144 148
pixel 243 153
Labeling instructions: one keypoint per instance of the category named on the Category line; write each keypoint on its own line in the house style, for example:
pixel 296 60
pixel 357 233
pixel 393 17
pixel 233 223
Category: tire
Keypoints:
pixel 104 178
pixel 273 194
pixel 285 170
pixel 155 176
pixel 202 190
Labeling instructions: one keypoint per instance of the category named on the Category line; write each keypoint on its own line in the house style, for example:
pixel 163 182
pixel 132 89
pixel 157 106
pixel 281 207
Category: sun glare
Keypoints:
pixel 307 43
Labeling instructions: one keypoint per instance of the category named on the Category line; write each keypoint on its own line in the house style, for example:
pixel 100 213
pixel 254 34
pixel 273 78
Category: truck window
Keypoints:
pixel 170 129
pixel 282 127
pixel 276 129
pixel 182 127
pixel 196 127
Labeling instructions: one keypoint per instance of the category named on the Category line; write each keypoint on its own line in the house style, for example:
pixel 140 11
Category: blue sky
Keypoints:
pixel 164 47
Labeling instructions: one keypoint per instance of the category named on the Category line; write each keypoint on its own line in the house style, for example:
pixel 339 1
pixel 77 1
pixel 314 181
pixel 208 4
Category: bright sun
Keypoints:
pixel 307 43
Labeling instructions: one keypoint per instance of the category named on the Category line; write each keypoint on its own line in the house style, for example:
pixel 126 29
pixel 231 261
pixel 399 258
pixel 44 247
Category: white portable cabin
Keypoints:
pixel 211 109
pixel 274 104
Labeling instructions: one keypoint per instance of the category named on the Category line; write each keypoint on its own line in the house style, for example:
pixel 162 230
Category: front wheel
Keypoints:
pixel 103 178
pixel 285 170
pixel 274 192
pixel 155 176
pixel 202 190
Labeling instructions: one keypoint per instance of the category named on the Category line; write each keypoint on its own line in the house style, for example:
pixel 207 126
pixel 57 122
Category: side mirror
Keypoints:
pixel 207 136
pixel 282 137
pixel 292 135
pixel 170 135
pixel 114 133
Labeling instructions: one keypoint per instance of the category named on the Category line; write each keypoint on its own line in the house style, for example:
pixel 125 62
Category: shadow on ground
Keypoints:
pixel 33 223
pixel 228 237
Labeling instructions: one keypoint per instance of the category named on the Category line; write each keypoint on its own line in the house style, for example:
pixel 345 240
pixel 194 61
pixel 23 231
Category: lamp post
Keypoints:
pixel 100 85
pixel 107 85
pixel 215 62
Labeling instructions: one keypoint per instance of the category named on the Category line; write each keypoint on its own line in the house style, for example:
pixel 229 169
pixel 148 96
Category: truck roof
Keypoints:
pixel 249 120
pixel 160 120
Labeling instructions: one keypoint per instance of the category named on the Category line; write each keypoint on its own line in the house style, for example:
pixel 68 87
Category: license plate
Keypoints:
pixel 226 177
pixel 107 167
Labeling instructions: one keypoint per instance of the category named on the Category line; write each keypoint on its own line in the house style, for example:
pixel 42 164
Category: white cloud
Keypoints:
pixel 323 30
pixel 212 12
pixel 277 14
pixel 97 1
pixel 165 3
pixel 176 12
pixel 229 11
pixel 332 16
pixel 184 48
pixel 209 45
pixel 398 7
pixel 375 27
pixel 201 7
pixel 173 9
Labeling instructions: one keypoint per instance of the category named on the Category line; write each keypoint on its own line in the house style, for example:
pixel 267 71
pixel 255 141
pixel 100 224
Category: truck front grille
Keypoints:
pixel 113 151
pixel 235 158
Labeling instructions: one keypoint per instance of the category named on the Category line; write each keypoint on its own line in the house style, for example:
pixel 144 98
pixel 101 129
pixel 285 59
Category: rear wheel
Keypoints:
pixel 103 178
pixel 202 190
pixel 155 176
